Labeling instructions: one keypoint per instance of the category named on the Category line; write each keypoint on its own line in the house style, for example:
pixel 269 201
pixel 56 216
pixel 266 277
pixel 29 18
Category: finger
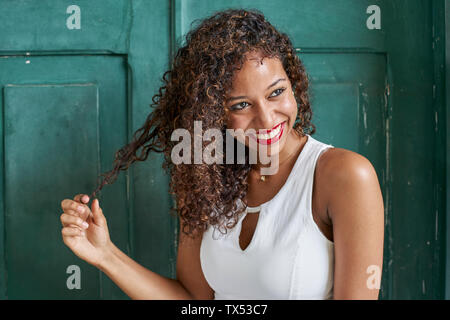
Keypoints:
pixel 72 231
pixel 83 216
pixel 82 210
pixel 71 204
pixel 68 219
pixel 97 213
pixel 83 198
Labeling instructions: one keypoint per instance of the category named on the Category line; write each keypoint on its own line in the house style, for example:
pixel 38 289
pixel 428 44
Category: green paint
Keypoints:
pixel 85 91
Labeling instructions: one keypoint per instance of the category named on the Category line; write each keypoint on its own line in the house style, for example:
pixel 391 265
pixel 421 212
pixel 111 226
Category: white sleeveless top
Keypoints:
pixel 288 256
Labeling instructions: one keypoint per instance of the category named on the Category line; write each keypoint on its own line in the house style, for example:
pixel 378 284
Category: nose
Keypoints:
pixel 264 116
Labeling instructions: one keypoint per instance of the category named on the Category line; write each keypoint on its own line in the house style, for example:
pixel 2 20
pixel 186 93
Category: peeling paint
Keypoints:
pixel 388 169
pixel 436 121
pixel 364 115
pixel 436 225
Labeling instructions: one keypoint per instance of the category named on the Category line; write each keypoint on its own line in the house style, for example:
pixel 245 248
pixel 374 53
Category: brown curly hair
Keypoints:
pixel 195 89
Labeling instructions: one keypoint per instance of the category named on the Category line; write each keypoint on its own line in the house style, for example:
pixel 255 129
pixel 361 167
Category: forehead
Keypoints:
pixel 257 70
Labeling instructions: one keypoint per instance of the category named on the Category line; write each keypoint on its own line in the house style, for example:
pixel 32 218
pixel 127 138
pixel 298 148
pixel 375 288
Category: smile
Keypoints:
pixel 270 136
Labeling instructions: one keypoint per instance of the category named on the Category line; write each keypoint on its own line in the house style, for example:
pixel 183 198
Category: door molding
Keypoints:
pixel 445 25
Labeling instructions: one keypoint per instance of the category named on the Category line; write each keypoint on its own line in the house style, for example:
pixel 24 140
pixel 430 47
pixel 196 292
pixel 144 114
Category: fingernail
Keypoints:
pixel 85 224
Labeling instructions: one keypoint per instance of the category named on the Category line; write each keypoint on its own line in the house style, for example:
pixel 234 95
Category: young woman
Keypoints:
pixel 312 230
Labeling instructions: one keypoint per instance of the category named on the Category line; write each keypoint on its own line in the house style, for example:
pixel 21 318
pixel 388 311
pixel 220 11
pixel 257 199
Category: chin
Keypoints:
pixel 267 150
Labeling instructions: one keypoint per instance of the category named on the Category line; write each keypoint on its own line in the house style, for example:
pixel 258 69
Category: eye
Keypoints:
pixel 280 90
pixel 238 106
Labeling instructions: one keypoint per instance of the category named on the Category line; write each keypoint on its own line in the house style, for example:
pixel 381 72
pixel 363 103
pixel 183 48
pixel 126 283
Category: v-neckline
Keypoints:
pixel 239 230
pixel 262 206
pixel 289 178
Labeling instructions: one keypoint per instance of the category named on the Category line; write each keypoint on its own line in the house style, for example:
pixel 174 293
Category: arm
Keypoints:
pixel 140 283
pixel 355 206
pixel 137 281
pixel 92 244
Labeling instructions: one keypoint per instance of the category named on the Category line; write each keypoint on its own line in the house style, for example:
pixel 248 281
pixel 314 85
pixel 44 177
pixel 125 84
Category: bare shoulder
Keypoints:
pixel 341 173
pixel 338 164
pixel 354 204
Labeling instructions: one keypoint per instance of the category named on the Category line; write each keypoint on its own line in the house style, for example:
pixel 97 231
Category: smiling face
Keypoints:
pixel 262 99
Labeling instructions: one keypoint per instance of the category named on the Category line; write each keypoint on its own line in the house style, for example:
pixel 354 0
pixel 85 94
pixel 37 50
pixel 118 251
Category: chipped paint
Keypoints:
pixel 364 115
pixel 367 140
pixel 436 122
pixel 364 108
pixel 436 225
pixel 388 169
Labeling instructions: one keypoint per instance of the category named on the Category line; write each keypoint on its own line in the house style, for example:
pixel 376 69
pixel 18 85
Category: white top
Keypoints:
pixel 288 256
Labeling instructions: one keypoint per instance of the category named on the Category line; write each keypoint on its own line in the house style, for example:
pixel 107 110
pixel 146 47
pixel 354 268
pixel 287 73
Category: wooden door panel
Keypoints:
pixel 44 144
pixel 347 96
pixel 63 118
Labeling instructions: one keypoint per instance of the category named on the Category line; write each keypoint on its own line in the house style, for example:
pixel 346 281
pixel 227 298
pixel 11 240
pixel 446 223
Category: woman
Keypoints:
pixel 311 230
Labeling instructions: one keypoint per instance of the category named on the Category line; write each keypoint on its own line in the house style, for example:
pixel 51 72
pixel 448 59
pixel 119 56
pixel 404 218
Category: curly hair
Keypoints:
pixel 194 89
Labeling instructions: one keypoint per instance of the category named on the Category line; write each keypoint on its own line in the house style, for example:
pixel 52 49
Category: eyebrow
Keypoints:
pixel 243 97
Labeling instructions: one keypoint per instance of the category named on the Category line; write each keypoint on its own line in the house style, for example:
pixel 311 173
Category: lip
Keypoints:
pixel 270 130
pixel 271 140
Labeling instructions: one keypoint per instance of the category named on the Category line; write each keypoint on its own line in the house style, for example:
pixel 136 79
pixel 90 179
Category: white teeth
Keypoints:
pixel 270 135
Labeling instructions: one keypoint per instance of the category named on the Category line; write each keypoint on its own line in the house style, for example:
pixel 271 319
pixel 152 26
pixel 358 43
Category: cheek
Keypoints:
pixel 231 123
pixel 235 123
pixel 289 107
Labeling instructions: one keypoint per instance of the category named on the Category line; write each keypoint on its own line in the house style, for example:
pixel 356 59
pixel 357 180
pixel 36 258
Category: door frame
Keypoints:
pixel 445 27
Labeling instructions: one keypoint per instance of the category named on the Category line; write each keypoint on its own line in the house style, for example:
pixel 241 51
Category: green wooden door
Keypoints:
pixel 378 92
pixel 77 80
pixel 52 133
